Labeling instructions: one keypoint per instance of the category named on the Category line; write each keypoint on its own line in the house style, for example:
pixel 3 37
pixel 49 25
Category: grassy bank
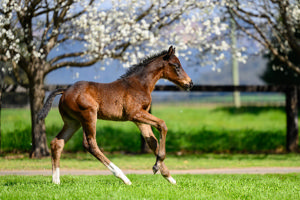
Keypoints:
pixel 191 128
pixel 153 187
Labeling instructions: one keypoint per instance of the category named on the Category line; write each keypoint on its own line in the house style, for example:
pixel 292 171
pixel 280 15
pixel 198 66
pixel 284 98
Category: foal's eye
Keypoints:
pixel 176 66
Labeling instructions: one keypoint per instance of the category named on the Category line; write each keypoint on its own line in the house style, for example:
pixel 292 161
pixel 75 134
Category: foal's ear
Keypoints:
pixel 171 52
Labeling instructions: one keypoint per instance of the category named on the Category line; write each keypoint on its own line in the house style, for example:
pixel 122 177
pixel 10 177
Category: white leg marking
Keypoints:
pixel 55 176
pixel 118 173
pixel 171 180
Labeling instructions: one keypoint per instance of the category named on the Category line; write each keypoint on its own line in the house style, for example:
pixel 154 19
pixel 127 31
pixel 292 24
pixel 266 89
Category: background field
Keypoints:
pixel 192 128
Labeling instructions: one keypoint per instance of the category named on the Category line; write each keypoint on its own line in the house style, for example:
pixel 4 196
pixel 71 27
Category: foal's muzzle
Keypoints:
pixel 189 85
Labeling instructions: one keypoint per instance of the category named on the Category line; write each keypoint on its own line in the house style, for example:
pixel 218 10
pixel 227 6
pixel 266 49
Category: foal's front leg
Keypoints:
pixel 158 149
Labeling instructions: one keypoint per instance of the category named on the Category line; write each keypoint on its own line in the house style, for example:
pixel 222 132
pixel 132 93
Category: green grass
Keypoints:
pixel 198 161
pixel 192 128
pixel 246 99
pixel 153 187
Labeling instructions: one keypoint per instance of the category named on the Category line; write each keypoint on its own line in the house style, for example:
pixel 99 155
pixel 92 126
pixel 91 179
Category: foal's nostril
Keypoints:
pixel 188 86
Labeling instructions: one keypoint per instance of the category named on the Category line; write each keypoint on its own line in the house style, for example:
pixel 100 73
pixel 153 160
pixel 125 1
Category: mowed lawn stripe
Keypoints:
pixel 271 186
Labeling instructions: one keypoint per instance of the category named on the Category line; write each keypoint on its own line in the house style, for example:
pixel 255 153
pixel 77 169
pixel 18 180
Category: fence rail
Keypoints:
pixel 291 103
pixel 210 88
pixel 228 88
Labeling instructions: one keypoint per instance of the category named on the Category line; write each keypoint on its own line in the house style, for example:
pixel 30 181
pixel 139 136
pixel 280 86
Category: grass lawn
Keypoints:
pixel 153 187
pixel 192 128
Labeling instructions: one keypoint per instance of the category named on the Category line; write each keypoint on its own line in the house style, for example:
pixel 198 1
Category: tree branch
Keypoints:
pixel 145 13
pixel 4 58
pixel 263 41
pixel 17 76
pixel 83 64
pixel 79 13
pixel 57 20
pixel 43 12
pixel 274 27
pixel 67 55
pixel 72 64
pixel 62 40
pixel 263 15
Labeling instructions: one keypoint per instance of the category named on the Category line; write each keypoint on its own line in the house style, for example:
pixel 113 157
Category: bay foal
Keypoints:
pixel 126 99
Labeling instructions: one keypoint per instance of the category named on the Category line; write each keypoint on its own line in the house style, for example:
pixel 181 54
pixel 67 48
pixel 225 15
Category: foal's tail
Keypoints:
pixel 47 106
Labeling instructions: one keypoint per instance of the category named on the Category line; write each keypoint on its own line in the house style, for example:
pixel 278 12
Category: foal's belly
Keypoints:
pixel 111 109
pixel 111 113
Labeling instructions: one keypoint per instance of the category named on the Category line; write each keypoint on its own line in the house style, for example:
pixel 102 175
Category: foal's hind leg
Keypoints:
pixel 57 145
pixel 90 144
pixel 153 144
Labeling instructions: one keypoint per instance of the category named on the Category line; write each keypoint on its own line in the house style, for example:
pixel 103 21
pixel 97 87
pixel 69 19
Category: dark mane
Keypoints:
pixel 137 67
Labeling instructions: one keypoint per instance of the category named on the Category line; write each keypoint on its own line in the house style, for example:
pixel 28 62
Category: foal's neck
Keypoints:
pixel 148 77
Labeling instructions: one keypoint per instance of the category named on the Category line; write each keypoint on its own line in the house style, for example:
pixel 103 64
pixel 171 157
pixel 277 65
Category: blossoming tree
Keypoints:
pixel 31 30
pixel 266 20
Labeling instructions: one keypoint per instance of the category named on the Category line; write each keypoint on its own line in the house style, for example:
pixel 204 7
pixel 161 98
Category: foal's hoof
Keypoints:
pixel 155 169
pixel 56 181
pixel 171 180
pixel 127 181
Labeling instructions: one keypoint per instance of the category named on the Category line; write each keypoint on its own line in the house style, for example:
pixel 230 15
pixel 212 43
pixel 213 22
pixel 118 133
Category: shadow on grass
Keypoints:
pixel 255 110
pixel 126 140
pixel 227 141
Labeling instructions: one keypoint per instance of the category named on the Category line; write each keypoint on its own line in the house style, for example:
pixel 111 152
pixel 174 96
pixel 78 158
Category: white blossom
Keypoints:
pixel 7 54
pixel 107 25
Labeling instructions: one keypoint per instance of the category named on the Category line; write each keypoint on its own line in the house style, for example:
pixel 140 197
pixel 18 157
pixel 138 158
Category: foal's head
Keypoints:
pixel 174 72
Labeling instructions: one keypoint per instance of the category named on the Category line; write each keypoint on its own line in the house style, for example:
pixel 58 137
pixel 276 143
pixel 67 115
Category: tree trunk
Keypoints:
pixel 292 119
pixel 1 93
pixel 0 119
pixel 36 95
